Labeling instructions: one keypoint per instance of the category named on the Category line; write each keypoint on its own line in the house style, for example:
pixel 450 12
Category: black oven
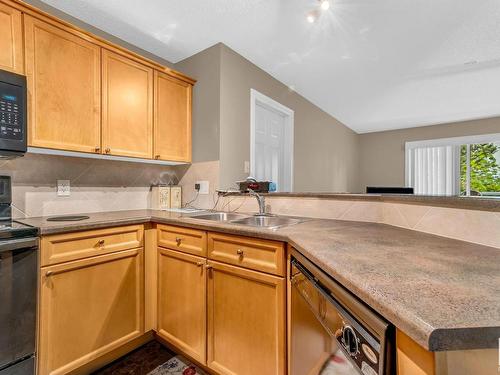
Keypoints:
pixel 13 115
pixel 18 289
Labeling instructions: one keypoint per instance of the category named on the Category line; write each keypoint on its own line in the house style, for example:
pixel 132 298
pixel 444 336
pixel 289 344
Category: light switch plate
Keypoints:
pixel 204 187
pixel 246 168
pixel 63 188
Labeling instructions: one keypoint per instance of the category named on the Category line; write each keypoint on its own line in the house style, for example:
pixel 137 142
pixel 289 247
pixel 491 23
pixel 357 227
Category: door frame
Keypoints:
pixel 257 97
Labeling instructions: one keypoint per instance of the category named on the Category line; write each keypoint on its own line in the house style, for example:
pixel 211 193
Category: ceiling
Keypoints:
pixel 373 64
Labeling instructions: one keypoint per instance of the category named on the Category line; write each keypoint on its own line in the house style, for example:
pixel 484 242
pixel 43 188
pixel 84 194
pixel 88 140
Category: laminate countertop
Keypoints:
pixel 443 293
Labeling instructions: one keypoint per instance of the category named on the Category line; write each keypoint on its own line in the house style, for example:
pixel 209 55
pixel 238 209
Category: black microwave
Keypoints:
pixel 13 115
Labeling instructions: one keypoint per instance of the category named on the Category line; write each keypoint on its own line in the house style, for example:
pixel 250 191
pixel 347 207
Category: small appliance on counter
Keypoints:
pixel 160 199
pixel 388 190
pixel 175 197
pixel 257 186
pixel 165 197
pixel 18 289
pixel 13 115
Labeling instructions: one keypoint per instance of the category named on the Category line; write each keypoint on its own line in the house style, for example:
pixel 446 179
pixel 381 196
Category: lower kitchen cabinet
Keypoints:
pixel 411 358
pixel 88 308
pixel 182 302
pixel 246 321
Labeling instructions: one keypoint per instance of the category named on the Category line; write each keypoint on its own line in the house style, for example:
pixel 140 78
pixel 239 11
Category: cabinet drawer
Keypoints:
pixel 190 241
pixel 60 248
pixel 261 255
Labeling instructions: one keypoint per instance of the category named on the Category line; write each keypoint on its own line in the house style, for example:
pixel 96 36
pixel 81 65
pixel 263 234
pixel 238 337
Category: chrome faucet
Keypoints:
pixel 262 202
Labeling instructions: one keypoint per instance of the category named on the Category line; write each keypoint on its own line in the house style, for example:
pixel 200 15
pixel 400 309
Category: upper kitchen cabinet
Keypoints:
pixel 63 88
pixel 11 40
pixel 127 105
pixel 172 135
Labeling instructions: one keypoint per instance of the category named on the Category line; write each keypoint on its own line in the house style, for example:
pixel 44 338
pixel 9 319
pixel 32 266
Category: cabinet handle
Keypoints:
pixel 107 150
pixel 240 252
pixel 49 273
pixel 199 264
pixel 100 242
pixel 97 149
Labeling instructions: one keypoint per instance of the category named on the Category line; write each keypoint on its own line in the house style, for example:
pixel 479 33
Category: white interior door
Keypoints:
pixel 272 143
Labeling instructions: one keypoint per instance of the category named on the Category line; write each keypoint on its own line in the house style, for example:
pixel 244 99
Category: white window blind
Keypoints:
pixel 433 170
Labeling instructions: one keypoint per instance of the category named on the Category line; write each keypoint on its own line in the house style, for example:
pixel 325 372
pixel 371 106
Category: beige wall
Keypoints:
pixel 382 160
pixel 325 151
pixel 205 67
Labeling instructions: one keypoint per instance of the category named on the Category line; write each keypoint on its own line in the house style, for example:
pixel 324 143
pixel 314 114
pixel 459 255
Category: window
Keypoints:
pixel 271 141
pixel 467 166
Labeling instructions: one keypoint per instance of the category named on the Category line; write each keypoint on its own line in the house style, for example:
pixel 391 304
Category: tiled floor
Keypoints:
pixel 140 362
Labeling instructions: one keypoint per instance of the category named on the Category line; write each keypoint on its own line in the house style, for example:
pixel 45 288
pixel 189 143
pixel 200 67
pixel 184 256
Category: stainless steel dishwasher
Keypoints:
pixel 332 332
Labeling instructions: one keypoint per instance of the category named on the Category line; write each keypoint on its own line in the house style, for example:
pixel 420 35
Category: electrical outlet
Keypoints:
pixel 197 187
pixel 246 167
pixel 204 187
pixel 63 188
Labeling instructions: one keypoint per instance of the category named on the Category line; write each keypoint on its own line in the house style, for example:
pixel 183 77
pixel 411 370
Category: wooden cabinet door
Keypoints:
pixel 172 135
pixel 11 40
pixel 182 302
pixel 88 308
pixel 246 321
pixel 127 123
pixel 64 88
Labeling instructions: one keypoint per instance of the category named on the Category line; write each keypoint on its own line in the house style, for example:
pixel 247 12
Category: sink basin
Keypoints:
pixel 220 216
pixel 267 221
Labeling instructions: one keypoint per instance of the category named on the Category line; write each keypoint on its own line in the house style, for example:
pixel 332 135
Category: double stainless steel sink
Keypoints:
pixel 262 221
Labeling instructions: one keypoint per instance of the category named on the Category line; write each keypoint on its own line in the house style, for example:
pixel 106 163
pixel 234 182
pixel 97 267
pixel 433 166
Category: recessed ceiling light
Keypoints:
pixel 325 4
pixel 312 16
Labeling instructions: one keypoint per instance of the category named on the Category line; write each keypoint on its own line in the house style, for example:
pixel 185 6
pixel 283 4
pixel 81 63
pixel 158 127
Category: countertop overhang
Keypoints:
pixel 443 293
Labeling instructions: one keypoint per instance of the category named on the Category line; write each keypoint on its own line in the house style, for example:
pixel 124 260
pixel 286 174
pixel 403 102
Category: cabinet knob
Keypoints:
pixel 100 242
pixel 48 273
pixel 157 157
pixel 208 267
pixel 107 150
pixel 199 264
pixel 97 149
pixel 178 240
pixel 240 252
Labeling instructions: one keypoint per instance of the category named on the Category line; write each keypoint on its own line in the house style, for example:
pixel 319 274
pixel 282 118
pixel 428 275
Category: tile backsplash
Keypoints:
pixel 467 225
pixel 96 185
pixel 105 185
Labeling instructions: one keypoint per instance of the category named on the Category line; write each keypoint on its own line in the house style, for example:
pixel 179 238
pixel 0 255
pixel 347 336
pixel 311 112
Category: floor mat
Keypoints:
pixel 177 365
pixel 139 362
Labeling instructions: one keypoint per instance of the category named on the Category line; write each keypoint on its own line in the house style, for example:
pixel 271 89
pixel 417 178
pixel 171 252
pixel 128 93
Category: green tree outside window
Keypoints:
pixel 484 168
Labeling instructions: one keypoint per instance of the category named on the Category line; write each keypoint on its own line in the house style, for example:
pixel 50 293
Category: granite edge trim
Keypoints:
pixel 482 338
pixel 478 204
pixel 432 339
